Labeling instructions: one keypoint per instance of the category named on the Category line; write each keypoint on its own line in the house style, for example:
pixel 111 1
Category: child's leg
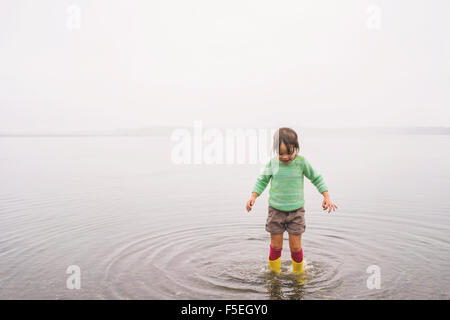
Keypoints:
pixel 276 245
pixel 276 240
pixel 295 244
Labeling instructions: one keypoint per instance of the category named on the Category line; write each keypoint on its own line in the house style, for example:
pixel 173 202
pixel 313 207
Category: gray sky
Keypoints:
pixel 228 63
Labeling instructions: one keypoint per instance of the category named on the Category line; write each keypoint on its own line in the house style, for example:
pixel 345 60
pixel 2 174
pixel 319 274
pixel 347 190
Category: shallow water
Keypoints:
pixel 141 227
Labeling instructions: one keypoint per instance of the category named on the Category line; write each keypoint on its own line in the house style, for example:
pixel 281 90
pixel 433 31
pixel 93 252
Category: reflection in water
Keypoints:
pixel 298 287
pixel 274 286
pixel 285 286
pixel 281 287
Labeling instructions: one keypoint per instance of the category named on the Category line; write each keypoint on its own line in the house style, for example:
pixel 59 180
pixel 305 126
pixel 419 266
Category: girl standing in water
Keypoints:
pixel 286 198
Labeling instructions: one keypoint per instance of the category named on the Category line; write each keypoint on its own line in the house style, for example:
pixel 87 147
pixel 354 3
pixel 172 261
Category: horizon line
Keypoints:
pixel 141 130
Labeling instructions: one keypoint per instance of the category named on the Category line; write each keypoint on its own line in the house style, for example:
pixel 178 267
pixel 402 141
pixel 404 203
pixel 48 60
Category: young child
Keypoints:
pixel 286 200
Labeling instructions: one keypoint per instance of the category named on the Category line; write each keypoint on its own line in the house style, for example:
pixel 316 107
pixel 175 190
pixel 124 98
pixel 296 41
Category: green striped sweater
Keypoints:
pixel 286 189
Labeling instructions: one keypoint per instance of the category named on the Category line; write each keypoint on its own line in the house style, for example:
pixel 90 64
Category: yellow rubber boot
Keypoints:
pixel 275 265
pixel 297 267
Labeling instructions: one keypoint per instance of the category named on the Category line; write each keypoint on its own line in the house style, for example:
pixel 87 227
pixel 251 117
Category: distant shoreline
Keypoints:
pixel 162 132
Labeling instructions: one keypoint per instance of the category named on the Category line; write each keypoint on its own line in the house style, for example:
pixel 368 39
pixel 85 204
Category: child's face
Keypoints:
pixel 284 156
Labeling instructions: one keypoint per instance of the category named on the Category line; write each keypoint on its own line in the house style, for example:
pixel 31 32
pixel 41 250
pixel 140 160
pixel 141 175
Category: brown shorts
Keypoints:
pixel 291 221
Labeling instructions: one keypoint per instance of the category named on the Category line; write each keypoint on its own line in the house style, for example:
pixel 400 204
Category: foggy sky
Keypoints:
pixel 133 64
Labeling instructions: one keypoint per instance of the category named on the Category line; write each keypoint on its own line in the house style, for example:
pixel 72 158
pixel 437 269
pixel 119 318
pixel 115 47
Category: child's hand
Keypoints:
pixel 251 202
pixel 327 204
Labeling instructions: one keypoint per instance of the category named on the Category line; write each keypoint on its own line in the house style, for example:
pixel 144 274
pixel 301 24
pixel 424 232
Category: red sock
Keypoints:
pixel 297 256
pixel 274 253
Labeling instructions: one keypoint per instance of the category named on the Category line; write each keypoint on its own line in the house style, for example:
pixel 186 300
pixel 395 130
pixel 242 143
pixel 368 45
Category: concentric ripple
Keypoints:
pixel 219 262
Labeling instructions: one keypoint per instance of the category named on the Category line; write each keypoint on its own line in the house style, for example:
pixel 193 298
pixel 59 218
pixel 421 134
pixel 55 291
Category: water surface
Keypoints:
pixel 141 227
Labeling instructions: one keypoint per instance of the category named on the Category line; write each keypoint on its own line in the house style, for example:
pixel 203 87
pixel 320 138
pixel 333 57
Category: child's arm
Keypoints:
pixel 319 183
pixel 260 185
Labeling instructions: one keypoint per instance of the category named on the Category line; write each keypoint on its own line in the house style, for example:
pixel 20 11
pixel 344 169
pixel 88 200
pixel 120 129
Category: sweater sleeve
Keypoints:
pixel 315 178
pixel 263 179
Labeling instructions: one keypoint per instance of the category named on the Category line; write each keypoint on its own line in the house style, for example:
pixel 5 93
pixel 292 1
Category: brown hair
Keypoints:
pixel 288 137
